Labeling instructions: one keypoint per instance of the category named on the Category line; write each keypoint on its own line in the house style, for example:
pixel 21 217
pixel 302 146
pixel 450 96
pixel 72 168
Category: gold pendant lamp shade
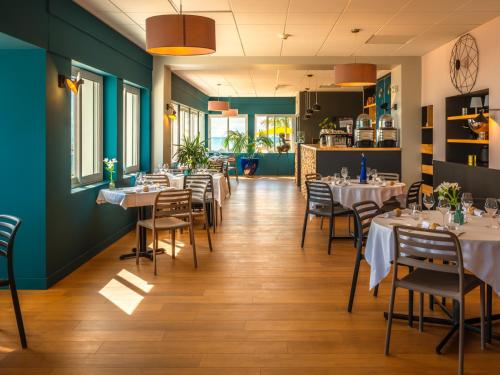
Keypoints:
pixel 355 75
pixel 180 35
pixel 218 105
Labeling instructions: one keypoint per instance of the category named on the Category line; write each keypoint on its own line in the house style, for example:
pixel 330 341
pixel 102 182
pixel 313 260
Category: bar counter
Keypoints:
pixel 313 158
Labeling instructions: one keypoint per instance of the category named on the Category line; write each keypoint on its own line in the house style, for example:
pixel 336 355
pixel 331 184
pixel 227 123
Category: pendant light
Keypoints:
pixel 231 112
pixel 307 115
pixel 309 110
pixel 316 107
pixel 218 105
pixel 355 75
pixel 180 34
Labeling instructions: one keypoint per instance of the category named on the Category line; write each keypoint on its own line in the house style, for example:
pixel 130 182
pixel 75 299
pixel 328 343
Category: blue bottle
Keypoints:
pixel 362 174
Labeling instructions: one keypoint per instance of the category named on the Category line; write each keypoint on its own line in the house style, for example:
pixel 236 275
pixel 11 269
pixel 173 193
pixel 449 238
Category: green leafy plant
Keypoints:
pixel 240 143
pixel 192 152
pixel 327 123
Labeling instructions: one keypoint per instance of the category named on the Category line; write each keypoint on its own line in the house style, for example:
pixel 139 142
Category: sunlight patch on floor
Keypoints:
pixel 135 280
pixel 4 349
pixel 179 246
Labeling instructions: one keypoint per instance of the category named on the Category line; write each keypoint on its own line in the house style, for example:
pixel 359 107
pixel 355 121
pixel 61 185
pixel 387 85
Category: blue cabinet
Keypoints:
pixel 383 95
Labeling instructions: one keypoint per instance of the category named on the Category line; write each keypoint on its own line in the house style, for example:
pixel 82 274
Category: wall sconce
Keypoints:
pixel 71 83
pixel 170 112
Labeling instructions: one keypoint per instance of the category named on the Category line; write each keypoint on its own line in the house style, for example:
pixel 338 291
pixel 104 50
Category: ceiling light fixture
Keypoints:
pixel 355 75
pixel 218 105
pixel 284 36
pixel 231 112
pixel 180 35
pixel 316 107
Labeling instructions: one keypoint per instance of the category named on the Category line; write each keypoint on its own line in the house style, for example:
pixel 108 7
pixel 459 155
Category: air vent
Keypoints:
pixel 389 39
pixel 282 86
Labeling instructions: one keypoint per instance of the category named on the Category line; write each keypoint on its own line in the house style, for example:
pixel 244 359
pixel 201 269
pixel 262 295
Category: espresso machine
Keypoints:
pixel 364 132
pixel 387 134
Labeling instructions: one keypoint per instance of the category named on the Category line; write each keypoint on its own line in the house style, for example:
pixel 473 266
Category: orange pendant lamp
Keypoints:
pixel 180 35
pixel 232 112
pixel 355 75
pixel 218 105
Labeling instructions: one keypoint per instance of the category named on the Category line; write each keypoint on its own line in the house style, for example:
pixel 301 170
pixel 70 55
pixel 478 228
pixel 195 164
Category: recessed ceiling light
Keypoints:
pixel 284 36
pixel 355 30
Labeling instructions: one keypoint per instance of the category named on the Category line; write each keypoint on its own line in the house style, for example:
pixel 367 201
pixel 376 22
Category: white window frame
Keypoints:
pixel 274 151
pixel 78 180
pixel 245 116
pixel 135 91
pixel 189 111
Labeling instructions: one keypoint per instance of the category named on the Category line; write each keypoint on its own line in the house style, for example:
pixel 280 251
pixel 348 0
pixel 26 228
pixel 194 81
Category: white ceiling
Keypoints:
pixel 317 28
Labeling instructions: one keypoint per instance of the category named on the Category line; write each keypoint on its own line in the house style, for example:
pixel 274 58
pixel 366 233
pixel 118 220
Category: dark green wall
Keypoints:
pixel 76 227
pixel 22 159
pixel 187 94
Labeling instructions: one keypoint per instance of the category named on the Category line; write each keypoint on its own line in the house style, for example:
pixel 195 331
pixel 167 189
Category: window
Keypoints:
pixel 219 127
pixel 188 124
pixel 272 126
pixel 86 130
pixel 131 128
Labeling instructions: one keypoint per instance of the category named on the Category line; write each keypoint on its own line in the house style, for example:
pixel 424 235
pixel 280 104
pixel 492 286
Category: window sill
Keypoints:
pixel 95 185
pixel 128 176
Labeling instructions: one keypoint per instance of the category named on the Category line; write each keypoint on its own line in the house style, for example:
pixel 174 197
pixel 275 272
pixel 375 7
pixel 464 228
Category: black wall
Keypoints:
pixel 336 104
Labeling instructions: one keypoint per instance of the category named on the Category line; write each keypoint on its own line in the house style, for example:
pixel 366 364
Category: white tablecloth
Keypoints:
pixel 355 192
pixel 221 190
pixel 127 197
pixel 480 247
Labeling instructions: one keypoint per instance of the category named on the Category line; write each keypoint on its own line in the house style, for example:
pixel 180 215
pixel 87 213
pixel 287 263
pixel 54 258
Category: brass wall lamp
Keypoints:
pixel 71 83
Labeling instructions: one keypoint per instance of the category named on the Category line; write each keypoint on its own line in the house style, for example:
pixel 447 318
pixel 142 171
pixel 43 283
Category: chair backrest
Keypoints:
pixel 364 212
pixel 199 186
pixel 415 247
pixel 413 194
pixel 159 179
pixel 216 164
pixel 8 229
pixel 319 193
pixel 389 176
pixel 313 176
pixel 172 203
pixel 204 178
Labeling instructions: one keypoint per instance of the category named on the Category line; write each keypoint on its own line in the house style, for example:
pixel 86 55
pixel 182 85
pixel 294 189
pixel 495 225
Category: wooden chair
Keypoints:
pixel 389 176
pixel 159 179
pixel 225 171
pixel 209 195
pixel 8 230
pixel 413 194
pixel 232 165
pixel 392 202
pixel 364 212
pixel 199 186
pixel 313 177
pixel 419 249
pixel 168 209
pixel 320 202
pixel 216 164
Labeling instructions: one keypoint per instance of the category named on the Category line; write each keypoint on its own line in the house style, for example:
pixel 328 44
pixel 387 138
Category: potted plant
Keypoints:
pixel 192 153
pixel 241 144
pixel 327 126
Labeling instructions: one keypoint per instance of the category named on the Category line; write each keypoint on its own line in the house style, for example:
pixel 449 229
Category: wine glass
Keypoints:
pixel 336 178
pixel 467 203
pixel 344 172
pixel 415 210
pixel 491 207
pixel 428 201
pixel 374 174
pixel 443 207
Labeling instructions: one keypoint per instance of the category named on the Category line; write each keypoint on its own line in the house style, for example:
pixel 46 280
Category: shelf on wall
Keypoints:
pixel 466 117
pixel 426 149
pixel 470 141
pixel 369 106
pixel 427 189
pixel 427 127
pixel 427 169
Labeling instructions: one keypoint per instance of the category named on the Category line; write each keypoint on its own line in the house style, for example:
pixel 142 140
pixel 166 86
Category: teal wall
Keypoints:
pixel 383 95
pixel 76 227
pixel 271 164
pixel 22 158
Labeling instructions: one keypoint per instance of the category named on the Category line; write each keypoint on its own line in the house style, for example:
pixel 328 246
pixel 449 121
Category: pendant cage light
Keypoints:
pixel 218 105
pixel 180 35
pixel 309 110
pixel 307 115
pixel 316 107
pixel 355 75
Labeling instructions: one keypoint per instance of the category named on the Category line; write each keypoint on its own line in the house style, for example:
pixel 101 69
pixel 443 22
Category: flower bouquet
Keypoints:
pixel 109 165
pixel 449 191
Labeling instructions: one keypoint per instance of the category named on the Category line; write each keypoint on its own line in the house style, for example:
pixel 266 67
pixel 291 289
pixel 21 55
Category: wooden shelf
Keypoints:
pixel 427 127
pixel 470 141
pixel 427 189
pixel 427 169
pixel 466 117
pixel 369 106
pixel 426 149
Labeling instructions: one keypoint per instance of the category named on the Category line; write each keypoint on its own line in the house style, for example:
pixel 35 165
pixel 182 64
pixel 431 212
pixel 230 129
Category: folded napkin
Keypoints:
pixel 478 212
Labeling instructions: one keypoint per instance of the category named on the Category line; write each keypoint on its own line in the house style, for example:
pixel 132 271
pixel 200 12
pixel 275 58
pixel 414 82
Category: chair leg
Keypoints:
pixel 421 313
pixel 330 230
pixel 173 243
pixel 375 291
pixel 228 183
pixel 191 234
pixel 220 211
pixel 321 223
pixel 389 320
pixel 354 283
pixel 481 307
pixel 410 308
pixel 154 252
pixel 461 338
pixel 304 229
pixel 208 232
pixel 214 214
pixel 17 311
pixel 137 244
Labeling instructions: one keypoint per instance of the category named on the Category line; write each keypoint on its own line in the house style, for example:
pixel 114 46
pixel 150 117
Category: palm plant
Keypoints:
pixel 240 143
pixel 192 152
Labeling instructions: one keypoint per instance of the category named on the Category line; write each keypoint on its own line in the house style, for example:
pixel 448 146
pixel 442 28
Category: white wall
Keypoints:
pixel 436 85
pixel 161 128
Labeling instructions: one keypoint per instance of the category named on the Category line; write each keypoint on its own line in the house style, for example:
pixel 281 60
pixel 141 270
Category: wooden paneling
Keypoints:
pixel 427 169
pixel 427 189
pixel 426 149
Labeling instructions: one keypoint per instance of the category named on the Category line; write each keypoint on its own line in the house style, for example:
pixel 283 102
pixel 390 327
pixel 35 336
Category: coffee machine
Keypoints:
pixel 387 134
pixel 364 132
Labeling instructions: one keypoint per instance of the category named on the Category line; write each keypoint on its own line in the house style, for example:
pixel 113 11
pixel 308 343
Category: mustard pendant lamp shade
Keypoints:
pixel 180 35
pixel 355 75
pixel 218 105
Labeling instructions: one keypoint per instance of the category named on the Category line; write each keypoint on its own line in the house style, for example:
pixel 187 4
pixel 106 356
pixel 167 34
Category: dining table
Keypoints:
pixel 134 197
pixel 479 239
pixel 220 188
pixel 352 192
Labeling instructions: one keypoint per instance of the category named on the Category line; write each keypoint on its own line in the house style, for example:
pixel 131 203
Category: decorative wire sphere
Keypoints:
pixel 464 64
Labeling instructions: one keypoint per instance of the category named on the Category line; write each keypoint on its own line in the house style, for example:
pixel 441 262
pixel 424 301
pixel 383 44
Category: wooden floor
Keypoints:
pixel 257 305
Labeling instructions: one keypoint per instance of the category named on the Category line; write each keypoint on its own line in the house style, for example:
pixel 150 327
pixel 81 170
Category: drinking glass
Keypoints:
pixel 348 180
pixel 491 207
pixel 443 207
pixel 416 209
pixel 467 203
pixel 374 174
pixel 139 179
pixel 336 178
pixel 428 201
pixel 344 172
